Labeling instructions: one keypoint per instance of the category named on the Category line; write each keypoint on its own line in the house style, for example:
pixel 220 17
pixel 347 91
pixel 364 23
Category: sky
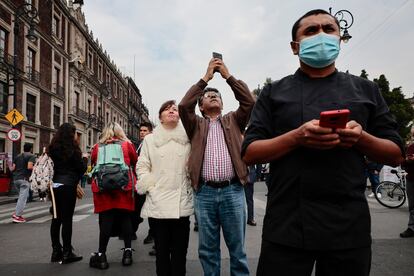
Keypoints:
pixel 171 41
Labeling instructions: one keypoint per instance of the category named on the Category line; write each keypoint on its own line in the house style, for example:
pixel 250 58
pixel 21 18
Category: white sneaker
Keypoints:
pixel 379 195
pixel 371 195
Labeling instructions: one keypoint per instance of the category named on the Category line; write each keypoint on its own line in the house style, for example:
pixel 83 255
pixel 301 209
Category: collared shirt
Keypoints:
pixel 217 165
pixel 316 197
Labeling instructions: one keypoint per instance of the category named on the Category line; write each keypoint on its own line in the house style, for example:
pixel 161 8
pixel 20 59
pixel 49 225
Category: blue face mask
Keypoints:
pixel 320 50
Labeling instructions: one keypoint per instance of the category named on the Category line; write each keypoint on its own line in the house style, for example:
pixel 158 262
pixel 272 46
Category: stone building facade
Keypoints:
pixel 64 76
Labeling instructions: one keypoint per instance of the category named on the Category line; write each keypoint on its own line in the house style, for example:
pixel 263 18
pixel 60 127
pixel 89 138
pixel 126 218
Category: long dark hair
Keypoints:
pixel 64 143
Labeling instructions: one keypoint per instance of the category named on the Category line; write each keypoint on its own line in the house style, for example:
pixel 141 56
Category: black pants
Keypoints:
pixel 65 198
pixel 171 242
pixel 279 260
pixel 110 220
pixel 136 214
pixel 249 190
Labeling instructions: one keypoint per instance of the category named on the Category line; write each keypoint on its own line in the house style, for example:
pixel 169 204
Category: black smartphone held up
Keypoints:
pixel 217 55
pixel 334 118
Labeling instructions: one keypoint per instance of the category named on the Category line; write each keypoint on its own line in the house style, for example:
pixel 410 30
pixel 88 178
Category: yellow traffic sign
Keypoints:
pixel 14 117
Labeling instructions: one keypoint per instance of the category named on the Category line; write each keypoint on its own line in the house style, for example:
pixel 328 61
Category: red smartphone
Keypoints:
pixel 334 118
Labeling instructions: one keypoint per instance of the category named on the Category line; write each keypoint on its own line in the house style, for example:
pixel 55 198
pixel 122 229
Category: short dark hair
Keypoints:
pixel 208 89
pixel 165 105
pixel 147 125
pixel 309 13
pixel 27 147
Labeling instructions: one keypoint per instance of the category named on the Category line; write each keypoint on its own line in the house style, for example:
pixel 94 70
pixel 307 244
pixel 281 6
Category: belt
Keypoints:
pixel 221 184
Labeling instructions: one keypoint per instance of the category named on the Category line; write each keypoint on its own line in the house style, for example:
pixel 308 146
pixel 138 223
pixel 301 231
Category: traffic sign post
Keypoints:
pixel 14 116
pixel 14 135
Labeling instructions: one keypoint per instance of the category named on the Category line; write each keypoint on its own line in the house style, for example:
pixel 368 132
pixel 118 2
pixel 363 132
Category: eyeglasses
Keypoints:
pixel 211 94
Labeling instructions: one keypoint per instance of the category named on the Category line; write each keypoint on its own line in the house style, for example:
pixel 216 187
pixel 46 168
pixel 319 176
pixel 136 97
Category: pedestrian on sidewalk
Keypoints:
pixel 22 169
pixel 254 174
pixel 163 177
pixel 114 207
pixel 408 166
pixel 69 165
pixel 216 169
pixel 317 214
pixel 373 170
pixel 145 128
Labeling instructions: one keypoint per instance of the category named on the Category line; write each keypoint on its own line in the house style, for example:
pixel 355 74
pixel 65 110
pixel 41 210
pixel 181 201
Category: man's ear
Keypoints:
pixel 201 108
pixel 295 47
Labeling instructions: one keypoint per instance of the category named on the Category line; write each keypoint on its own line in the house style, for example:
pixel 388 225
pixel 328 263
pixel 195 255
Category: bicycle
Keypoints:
pixel 392 194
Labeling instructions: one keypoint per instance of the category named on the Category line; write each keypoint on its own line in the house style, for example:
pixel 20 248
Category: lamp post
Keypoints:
pixel 30 12
pixel 345 19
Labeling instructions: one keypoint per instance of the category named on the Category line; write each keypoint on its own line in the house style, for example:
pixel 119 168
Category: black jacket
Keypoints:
pixel 68 171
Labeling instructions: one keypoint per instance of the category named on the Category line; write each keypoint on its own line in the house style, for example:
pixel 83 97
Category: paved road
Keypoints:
pixel 25 248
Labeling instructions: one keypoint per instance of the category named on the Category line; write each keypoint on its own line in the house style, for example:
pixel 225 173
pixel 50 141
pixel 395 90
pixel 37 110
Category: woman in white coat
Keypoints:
pixel 162 176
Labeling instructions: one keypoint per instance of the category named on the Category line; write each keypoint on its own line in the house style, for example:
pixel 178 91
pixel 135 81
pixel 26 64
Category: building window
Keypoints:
pixel 77 99
pixel 3 43
pixel 56 26
pixel 89 107
pixel 56 116
pixel 107 118
pixel 90 59
pixel 30 68
pixel 56 78
pixel 100 71
pixel 3 98
pixel 31 108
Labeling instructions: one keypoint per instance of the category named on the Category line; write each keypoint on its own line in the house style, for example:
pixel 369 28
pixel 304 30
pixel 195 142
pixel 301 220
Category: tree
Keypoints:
pixel 364 74
pixel 258 90
pixel 400 107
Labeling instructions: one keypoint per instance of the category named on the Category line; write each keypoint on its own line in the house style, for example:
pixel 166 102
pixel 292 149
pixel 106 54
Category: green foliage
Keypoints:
pixel 400 107
pixel 258 90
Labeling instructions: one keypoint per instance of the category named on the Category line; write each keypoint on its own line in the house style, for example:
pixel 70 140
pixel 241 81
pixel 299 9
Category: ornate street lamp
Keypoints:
pixel 29 12
pixel 345 19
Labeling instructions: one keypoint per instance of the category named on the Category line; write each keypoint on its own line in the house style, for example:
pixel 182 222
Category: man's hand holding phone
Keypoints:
pixel 312 135
pixel 350 135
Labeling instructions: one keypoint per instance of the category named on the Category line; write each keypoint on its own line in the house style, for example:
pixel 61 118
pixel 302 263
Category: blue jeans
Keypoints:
pixel 23 188
pixel 225 208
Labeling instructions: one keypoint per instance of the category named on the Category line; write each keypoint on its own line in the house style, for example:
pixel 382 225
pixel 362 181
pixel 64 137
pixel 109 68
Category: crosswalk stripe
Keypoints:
pixel 77 218
pixel 10 210
pixel 44 211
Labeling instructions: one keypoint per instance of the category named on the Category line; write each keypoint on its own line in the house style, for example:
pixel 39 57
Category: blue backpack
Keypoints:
pixel 111 172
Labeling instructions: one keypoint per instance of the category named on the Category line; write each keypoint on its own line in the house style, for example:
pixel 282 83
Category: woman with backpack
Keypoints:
pixel 69 165
pixel 114 159
pixel 162 176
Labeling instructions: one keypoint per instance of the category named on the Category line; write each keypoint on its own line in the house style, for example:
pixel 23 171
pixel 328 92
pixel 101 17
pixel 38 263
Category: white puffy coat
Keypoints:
pixel 162 174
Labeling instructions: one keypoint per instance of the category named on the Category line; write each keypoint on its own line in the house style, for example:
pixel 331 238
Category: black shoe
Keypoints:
pixel 127 257
pixel 409 233
pixel 251 222
pixel 70 257
pixel 98 262
pixel 149 239
pixel 57 254
pixel 195 227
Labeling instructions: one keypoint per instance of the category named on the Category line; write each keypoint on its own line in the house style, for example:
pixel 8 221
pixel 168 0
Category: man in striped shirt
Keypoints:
pixel 216 169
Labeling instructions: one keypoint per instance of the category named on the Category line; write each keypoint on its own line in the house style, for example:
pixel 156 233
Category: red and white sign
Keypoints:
pixel 14 135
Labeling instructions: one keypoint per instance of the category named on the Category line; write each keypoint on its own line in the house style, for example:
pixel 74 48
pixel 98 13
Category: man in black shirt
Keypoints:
pixel 22 169
pixel 317 213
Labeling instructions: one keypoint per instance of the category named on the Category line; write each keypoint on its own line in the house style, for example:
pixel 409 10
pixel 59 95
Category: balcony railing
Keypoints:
pixel 80 113
pixel 59 90
pixel 5 57
pixel 32 75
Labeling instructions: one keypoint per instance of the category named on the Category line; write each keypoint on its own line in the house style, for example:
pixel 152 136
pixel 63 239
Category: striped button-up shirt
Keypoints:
pixel 217 165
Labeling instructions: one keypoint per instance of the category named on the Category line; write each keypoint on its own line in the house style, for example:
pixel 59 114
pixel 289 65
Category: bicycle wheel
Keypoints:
pixel 390 194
